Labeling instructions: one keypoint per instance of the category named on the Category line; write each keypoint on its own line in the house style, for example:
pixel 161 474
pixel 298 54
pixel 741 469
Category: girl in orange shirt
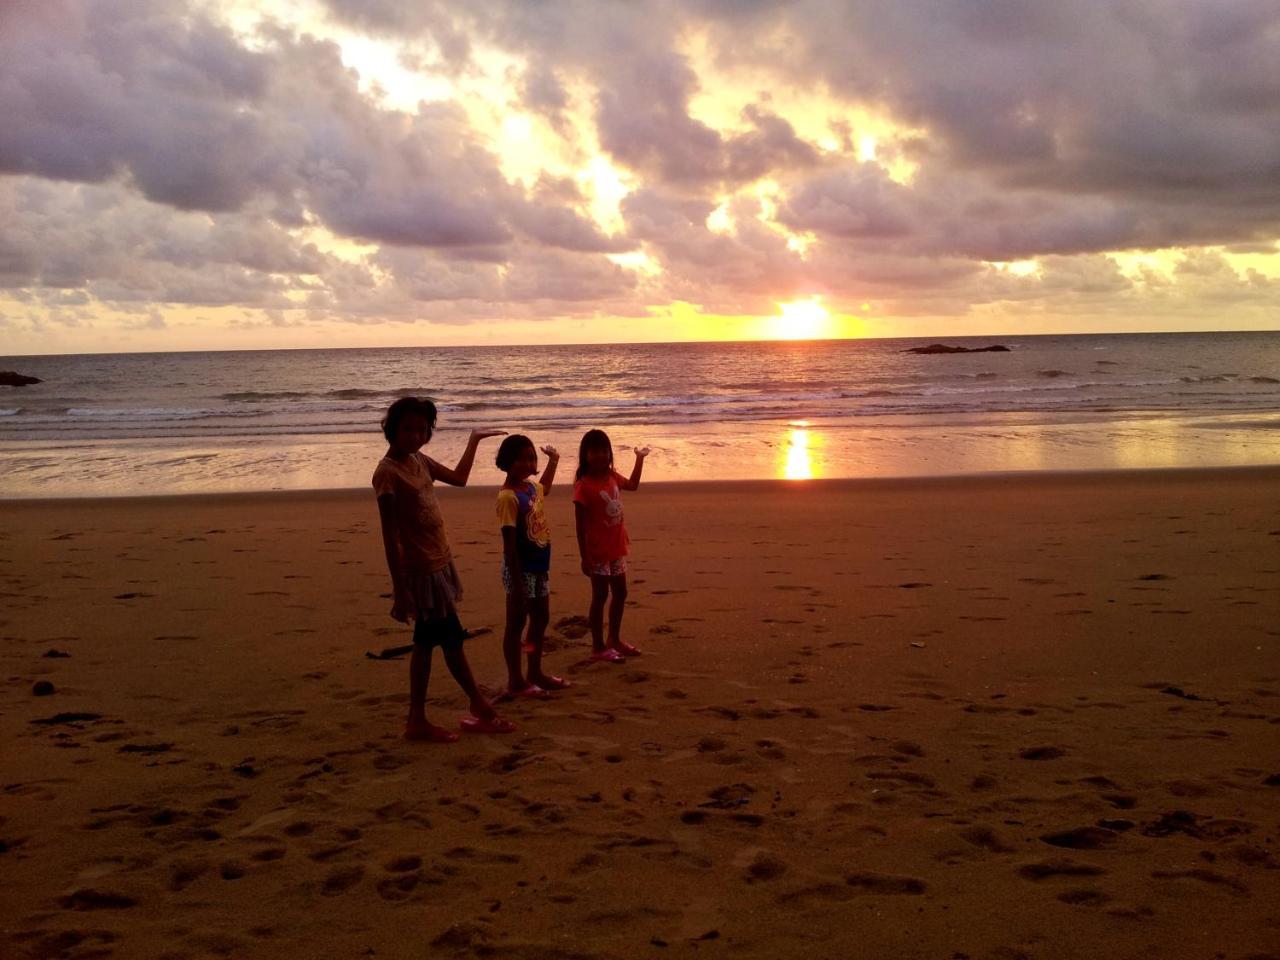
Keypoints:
pixel 603 544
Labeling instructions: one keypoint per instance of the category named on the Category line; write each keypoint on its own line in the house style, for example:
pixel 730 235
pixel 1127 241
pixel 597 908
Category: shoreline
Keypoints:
pixel 1263 472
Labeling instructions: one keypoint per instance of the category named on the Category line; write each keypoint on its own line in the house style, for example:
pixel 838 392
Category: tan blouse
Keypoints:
pixel 424 547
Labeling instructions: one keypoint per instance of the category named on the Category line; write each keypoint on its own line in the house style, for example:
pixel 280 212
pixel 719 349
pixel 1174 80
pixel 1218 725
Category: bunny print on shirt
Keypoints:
pixel 606 533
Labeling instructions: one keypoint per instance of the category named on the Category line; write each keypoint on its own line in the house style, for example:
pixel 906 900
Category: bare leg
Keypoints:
pixel 417 726
pixel 595 615
pixel 456 660
pixel 419 674
pixel 618 585
pixel 516 615
pixel 617 605
pixel 539 617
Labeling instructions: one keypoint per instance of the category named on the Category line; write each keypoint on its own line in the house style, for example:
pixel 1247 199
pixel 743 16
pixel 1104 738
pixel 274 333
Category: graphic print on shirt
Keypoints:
pixel 612 506
pixel 605 530
pixel 536 527
pixel 521 508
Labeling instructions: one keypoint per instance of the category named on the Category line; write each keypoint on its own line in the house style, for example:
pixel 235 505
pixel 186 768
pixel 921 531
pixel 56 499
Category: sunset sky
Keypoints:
pixel 180 175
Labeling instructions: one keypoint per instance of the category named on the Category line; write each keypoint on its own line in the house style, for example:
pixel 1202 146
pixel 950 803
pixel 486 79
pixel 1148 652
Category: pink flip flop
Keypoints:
pixel 608 655
pixel 428 733
pixel 552 683
pixel 627 650
pixel 531 692
pixel 479 725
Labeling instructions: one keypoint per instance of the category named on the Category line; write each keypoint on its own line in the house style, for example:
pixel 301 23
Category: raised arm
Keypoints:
pixel 457 477
pixel 400 603
pixel 633 482
pixel 549 474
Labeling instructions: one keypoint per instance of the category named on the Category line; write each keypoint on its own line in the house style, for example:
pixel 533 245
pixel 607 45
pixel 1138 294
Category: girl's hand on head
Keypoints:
pixel 551 452
pixel 478 435
pixel 641 452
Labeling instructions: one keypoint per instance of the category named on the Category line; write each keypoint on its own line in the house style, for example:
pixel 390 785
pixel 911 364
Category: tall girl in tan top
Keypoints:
pixel 424 582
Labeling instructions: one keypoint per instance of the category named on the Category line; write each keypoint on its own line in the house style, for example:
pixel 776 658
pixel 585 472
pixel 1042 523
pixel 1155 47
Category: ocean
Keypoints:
pixel 163 423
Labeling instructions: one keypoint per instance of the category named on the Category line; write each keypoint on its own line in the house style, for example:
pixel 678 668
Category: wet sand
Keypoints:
pixel 1032 716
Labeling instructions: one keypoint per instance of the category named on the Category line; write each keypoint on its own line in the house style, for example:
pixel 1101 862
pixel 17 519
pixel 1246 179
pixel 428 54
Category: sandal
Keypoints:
pixel 492 725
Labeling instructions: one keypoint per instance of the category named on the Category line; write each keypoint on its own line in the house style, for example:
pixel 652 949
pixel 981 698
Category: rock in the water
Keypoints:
pixel 10 379
pixel 943 348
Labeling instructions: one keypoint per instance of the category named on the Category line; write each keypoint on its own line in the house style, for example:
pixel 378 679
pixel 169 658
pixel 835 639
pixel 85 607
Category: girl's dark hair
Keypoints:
pixel 510 448
pixel 592 440
pixel 408 407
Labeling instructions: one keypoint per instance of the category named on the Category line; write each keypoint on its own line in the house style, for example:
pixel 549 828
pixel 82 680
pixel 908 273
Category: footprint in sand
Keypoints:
pixel 1086 897
pixel 885 884
pixel 1042 753
pixel 1058 867
pixel 1121 801
pixel 765 866
pixel 1211 877
pixel 341 880
pixel 146 748
pixel 986 839
pixel 400 887
pixel 403 864
pixel 182 873
pixel 1081 838
pixel 89 899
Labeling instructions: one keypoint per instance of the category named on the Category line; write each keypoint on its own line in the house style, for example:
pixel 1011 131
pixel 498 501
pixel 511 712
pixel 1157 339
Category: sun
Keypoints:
pixel 801 320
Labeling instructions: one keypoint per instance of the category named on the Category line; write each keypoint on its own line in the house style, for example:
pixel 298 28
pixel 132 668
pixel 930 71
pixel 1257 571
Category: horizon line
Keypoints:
pixel 642 343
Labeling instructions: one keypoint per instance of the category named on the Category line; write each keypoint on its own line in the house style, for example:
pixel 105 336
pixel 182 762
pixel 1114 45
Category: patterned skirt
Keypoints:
pixel 435 594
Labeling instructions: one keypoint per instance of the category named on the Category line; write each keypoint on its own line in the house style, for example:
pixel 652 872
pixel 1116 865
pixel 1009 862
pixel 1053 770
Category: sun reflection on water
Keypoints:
pixel 797 463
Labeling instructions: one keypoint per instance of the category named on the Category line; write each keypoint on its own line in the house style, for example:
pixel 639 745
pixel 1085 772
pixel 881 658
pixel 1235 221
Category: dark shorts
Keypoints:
pixel 446 632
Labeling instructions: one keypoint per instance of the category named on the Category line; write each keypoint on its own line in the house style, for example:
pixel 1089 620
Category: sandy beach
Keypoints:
pixel 992 717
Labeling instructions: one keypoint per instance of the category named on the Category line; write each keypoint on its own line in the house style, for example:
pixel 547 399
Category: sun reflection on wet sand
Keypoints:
pixel 797 463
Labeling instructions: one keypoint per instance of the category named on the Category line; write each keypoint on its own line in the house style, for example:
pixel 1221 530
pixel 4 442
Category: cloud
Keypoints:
pixel 150 154
pixel 115 245
pixel 171 102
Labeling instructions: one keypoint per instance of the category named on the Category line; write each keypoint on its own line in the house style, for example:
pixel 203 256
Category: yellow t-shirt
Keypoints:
pixel 424 547
pixel 521 508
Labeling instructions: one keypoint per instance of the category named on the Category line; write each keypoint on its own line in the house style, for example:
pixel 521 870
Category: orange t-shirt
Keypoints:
pixel 606 534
